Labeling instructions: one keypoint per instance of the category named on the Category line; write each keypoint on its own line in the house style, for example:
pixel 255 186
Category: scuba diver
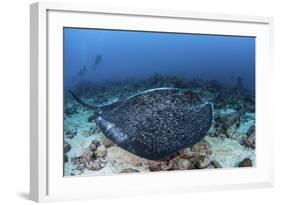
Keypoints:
pixel 98 60
pixel 82 71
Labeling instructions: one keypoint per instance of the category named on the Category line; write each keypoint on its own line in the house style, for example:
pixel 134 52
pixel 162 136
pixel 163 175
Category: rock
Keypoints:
pixel 250 142
pixel 91 118
pixel 88 155
pixel 237 136
pixel 101 152
pixel 65 158
pixel 66 147
pixel 106 142
pixel 202 147
pixel 94 145
pixel 203 163
pixel 216 164
pixel 182 164
pixel 74 160
pixel 232 132
pixel 138 164
pixel 93 165
pixel 129 170
pixel 81 167
pixel 222 136
pixel 196 157
pixel 91 157
pixel 250 139
pixel 251 131
pixel 225 125
pixel 247 162
pixel 159 165
pixel 71 133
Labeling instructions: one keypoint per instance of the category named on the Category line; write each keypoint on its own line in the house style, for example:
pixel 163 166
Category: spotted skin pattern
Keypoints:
pixel 157 123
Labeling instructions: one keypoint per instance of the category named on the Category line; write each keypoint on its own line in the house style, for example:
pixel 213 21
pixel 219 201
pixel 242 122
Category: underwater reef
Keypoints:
pixel 229 143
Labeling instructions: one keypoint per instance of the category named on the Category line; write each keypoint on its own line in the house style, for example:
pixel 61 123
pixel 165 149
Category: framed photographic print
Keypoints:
pixel 154 101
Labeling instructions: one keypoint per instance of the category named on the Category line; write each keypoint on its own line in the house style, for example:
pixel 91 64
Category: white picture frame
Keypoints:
pixel 46 142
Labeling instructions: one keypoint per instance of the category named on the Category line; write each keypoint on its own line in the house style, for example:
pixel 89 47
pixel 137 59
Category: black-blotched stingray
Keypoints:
pixel 156 123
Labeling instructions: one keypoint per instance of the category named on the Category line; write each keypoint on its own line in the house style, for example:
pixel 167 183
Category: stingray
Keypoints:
pixel 156 123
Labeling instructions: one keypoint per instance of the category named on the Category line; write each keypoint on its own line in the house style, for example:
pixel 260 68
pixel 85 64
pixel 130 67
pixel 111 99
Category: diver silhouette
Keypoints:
pixel 98 60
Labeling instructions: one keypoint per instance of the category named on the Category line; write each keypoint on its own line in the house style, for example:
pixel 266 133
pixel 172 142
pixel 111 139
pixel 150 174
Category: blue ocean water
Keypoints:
pixel 104 68
pixel 101 56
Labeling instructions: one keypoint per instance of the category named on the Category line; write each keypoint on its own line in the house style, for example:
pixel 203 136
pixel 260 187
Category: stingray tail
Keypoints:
pixel 92 107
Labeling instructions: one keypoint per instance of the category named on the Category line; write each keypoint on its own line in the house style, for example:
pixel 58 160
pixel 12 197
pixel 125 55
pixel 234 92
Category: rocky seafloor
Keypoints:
pixel 229 143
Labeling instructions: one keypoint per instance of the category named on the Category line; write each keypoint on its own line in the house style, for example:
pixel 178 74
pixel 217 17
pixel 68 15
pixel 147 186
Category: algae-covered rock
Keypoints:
pixel 247 162
pixel 66 147
pixel 250 139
